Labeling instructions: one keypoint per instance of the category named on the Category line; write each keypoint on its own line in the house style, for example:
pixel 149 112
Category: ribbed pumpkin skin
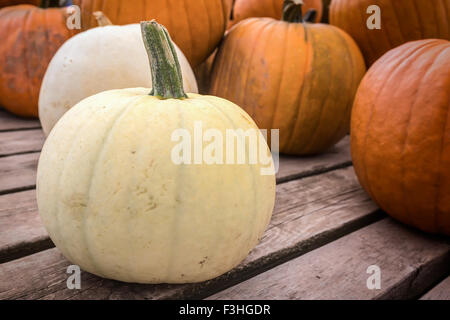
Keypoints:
pixel 114 202
pixel 401 21
pixel 244 9
pixel 183 18
pixel 400 134
pixel 29 38
pixel 299 78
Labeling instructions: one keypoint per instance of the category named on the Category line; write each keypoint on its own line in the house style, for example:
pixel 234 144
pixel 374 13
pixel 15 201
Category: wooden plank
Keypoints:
pixel 409 262
pixel 18 172
pixel 21 231
pixel 308 213
pixel 9 121
pixel 23 141
pixel 298 167
pixel 440 292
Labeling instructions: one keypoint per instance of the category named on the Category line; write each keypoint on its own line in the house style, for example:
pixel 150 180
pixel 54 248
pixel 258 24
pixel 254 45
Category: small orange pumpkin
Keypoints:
pixel 30 37
pixel 401 21
pixel 291 75
pixel 400 137
pixel 244 9
pixel 183 18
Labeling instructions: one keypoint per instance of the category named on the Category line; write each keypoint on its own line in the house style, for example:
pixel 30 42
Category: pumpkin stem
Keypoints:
pixel 310 16
pixel 102 20
pixel 166 71
pixel 293 12
pixel 53 3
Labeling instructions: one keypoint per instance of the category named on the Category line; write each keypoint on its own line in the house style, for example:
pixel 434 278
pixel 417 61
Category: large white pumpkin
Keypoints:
pixel 100 59
pixel 115 203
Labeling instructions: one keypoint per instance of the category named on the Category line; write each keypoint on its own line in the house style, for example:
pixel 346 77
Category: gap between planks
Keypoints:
pixel 18 172
pixel 21 230
pixel 440 292
pixel 10 122
pixel 335 158
pixel 309 213
pixel 409 261
pixel 21 142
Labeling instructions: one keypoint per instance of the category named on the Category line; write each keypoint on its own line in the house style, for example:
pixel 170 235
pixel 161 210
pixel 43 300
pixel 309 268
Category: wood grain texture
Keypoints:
pixel 23 141
pixel 309 213
pixel 440 292
pixel 9 121
pixel 409 261
pixel 21 231
pixel 292 167
pixel 18 172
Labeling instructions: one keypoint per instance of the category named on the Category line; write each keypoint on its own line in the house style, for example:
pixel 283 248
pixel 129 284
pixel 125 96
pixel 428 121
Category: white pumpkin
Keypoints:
pixel 100 59
pixel 115 203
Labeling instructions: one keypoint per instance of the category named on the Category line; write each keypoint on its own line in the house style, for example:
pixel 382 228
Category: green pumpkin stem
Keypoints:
pixel 293 12
pixel 310 16
pixel 166 71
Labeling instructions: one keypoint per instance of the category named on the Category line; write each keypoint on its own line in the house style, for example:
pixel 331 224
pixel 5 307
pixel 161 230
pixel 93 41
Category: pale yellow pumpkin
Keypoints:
pixel 115 203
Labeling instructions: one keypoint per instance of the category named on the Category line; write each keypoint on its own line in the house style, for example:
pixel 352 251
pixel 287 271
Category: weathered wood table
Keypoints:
pixel 324 234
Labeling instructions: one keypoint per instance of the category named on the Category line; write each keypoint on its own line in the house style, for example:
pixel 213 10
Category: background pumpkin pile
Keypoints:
pixel 273 59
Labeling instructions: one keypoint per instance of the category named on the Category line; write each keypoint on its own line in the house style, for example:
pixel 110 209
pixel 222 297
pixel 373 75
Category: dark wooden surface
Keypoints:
pixel 440 292
pixel 23 141
pixel 9 122
pixel 408 261
pixel 18 172
pixel 324 232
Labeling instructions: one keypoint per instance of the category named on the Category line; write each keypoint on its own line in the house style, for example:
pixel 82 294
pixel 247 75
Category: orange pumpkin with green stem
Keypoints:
pixel 244 9
pixel 291 75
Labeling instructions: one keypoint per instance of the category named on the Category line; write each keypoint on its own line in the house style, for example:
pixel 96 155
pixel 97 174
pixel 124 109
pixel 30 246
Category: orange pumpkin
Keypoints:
pixel 30 37
pixel 401 21
pixel 183 18
pixel 298 77
pixel 400 137
pixel 244 9
pixel 203 74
